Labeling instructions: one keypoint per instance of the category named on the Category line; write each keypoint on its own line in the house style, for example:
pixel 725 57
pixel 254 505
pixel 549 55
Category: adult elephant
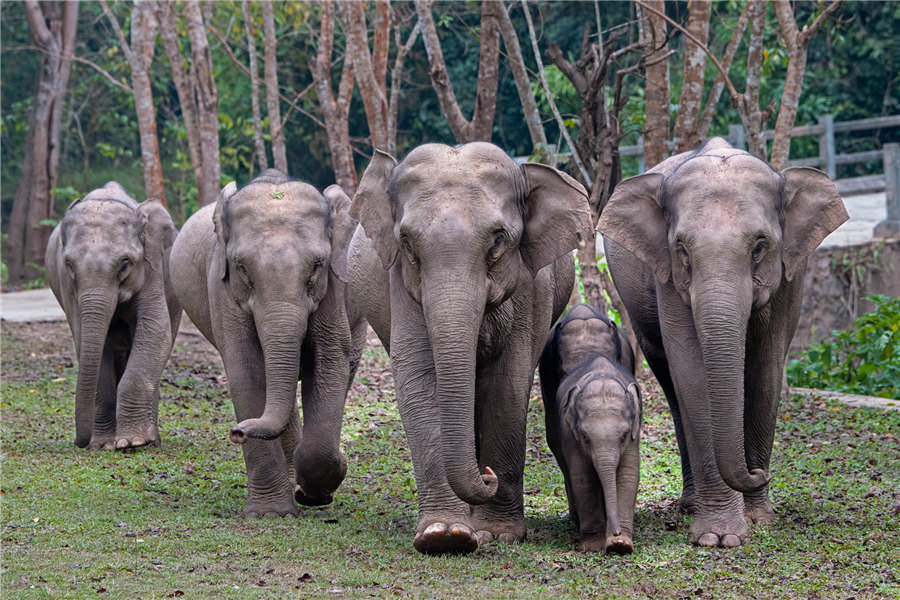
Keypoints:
pixel 108 266
pixel 461 264
pixel 708 251
pixel 261 274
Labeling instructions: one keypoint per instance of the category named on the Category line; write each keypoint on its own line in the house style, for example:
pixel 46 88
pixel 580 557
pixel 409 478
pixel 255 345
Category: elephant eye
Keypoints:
pixel 244 274
pixel 313 275
pixel 126 262
pixel 496 246
pixel 70 267
pixel 682 255
pixel 407 248
pixel 759 251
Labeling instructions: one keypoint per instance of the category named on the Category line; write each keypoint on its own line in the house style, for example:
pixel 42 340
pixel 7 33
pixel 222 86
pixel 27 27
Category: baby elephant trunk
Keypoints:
pixel 281 328
pixel 606 463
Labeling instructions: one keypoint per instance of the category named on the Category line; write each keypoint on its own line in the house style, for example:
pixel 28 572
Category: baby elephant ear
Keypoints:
pixel 557 216
pixel 372 207
pixel 812 209
pixel 634 392
pixel 158 233
pixel 223 229
pixel 342 228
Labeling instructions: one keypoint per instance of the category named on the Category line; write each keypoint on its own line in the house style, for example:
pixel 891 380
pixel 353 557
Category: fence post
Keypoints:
pixel 891 223
pixel 736 136
pixel 826 146
pixel 640 146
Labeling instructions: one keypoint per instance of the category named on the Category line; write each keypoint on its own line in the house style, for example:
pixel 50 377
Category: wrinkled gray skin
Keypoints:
pixel 261 274
pixel 108 266
pixel 462 263
pixel 593 415
pixel 708 251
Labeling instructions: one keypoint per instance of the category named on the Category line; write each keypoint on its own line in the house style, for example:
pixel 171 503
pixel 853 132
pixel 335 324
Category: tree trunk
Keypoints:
pixel 335 110
pixel 207 101
pixel 753 119
pixel 143 43
pixel 482 123
pixel 259 143
pixel 656 128
pixel 53 26
pixel 279 153
pixel 520 74
pixel 686 134
pixel 797 43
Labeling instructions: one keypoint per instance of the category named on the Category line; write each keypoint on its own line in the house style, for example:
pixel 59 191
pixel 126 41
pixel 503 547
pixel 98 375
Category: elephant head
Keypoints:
pixel 728 233
pixel 280 245
pixel 602 409
pixel 462 228
pixel 107 244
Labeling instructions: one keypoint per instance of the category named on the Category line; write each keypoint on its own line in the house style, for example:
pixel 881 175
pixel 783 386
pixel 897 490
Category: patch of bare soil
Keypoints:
pixel 31 351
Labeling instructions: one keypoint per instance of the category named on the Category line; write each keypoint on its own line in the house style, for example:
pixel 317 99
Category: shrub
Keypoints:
pixel 862 360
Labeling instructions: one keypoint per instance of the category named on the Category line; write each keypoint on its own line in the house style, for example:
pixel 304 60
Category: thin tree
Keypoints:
pixel 686 132
pixel 370 67
pixel 652 28
pixel 139 54
pixel 335 109
pixel 276 129
pixel 53 27
pixel 197 95
pixel 482 122
pixel 259 144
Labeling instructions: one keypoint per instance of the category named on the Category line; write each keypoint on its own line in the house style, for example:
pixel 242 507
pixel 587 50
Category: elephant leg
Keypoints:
pixel 627 477
pixel 269 489
pixel 444 524
pixel 585 501
pixel 318 462
pixel 138 398
pixel 103 434
pixel 718 510
pixel 656 358
pixel 501 408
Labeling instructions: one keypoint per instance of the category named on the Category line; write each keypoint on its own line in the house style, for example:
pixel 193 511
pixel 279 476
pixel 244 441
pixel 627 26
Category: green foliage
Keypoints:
pixel 861 360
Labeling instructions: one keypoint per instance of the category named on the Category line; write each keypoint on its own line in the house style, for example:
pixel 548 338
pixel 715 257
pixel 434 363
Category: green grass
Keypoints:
pixel 158 523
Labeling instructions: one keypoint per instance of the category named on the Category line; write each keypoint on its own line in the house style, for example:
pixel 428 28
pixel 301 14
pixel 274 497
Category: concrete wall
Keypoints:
pixel 831 291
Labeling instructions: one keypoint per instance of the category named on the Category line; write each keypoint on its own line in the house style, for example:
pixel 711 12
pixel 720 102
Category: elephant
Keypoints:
pixel 593 415
pixel 261 273
pixel 461 264
pixel 708 251
pixel 108 266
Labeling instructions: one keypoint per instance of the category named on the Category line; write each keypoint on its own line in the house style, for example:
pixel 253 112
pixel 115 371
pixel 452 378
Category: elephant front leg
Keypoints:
pixel 103 434
pixel 585 498
pixel 718 509
pixel 502 392
pixel 269 489
pixel 138 396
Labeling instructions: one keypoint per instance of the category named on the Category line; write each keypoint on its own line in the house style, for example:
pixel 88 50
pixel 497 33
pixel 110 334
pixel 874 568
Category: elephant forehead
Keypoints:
pixel 101 220
pixel 277 210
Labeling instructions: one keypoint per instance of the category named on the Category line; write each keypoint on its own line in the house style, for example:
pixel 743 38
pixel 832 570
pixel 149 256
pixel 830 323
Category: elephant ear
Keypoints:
pixel 157 233
pixel 223 229
pixel 342 228
pixel 557 216
pixel 812 209
pixel 633 218
pixel 634 392
pixel 372 207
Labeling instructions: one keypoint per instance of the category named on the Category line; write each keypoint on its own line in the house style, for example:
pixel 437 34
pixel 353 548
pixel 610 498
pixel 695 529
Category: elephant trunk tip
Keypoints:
pixel 755 480
pixel 483 493
pixel 253 428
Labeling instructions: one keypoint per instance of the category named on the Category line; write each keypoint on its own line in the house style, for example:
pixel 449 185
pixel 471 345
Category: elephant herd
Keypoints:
pixel 461 262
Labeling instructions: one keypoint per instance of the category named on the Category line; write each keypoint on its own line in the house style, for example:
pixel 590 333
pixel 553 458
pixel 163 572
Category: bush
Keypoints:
pixel 861 360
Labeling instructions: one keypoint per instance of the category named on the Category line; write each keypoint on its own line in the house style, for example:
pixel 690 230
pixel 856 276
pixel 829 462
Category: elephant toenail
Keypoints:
pixel 435 529
pixel 484 537
pixel 507 538
pixel 731 541
pixel 710 540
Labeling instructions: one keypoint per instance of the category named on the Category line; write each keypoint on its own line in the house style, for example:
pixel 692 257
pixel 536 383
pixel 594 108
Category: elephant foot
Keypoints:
pixel 269 510
pixel 308 500
pixel 758 510
pixel 489 530
pixel 441 538
pixel 106 441
pixel 619 544
pixel 718 531
pixel 137 436
pixel 685 504
pixel 594 543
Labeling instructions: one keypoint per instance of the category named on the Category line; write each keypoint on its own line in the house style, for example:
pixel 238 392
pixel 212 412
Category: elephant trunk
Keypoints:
pixel 721 313
pixel 281 331
pixel 97 308
pixel 453 318
pixel 606 463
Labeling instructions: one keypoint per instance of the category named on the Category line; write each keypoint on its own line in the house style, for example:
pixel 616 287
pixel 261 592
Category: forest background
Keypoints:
pixel 333 80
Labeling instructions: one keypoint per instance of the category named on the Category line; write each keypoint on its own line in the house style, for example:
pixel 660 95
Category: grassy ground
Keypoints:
pixel 161 523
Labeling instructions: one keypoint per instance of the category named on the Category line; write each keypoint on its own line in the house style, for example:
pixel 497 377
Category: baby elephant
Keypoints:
pixel 108 266
pixel 593 413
